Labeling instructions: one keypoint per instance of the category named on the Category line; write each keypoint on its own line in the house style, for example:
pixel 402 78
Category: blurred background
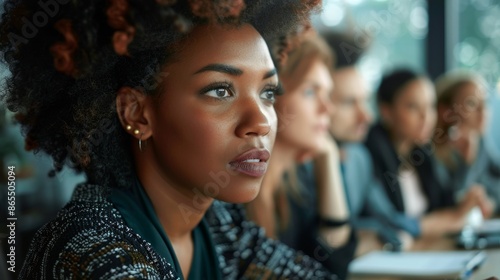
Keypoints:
pixel 431 36
pixel 427 36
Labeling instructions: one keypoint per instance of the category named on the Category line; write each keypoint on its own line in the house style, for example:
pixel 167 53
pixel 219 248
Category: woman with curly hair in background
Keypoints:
pixel 167 107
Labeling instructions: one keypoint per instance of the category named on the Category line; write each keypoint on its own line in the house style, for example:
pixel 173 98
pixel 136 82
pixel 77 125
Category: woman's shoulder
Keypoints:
pixel 89 239
pixel 222 215
pixel 359 154
pixel 378 144
pixel 490 149
pixel 375 133
pixel 246 253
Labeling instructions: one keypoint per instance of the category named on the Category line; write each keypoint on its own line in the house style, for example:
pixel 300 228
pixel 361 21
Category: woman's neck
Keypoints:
pixel 258 210
pixel 179 209
pixel 402 146
pixel 281 160
pixel 342 149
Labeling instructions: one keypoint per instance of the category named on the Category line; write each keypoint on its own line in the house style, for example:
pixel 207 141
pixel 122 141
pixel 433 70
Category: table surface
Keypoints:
pixel 491 267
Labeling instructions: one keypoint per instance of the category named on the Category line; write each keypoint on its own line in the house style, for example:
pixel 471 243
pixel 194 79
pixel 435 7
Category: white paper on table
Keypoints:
pixel 416 264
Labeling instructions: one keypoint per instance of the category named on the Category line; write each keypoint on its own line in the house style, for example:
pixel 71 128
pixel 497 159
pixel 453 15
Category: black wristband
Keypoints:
pixel 331 223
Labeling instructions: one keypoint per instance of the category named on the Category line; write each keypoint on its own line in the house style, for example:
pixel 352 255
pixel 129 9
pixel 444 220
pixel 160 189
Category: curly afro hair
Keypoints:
pixel 68 58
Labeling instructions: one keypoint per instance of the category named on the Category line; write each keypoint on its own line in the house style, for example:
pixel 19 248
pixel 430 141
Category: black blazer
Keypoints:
pixel 386 167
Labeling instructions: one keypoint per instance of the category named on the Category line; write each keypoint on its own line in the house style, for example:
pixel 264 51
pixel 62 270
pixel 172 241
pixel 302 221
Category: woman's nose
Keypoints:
pixel 326 105
pixel 256 119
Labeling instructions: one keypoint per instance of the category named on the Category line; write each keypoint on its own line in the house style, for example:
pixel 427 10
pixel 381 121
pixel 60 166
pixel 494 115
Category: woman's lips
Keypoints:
pixel 322 126
pixel 252 162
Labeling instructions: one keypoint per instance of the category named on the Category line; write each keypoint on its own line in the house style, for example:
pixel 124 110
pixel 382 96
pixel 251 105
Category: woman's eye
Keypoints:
pixel 309 92
pixel 471 104
pixel 219 93
pixel 269 95
pixel 348 102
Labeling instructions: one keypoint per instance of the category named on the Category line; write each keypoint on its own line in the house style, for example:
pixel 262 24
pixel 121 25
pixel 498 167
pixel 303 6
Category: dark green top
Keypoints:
pixel 137 210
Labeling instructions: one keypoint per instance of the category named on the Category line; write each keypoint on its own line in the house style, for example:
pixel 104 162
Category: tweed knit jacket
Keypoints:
pixel 90 240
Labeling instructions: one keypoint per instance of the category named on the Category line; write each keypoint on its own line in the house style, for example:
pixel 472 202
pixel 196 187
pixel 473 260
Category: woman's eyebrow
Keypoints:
pixel 223 68
pixel 231 70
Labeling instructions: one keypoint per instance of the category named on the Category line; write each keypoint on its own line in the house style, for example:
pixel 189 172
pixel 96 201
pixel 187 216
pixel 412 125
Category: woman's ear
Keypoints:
pixel 132 109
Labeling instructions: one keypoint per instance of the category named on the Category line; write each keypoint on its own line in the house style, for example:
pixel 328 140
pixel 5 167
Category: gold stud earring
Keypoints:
pixel 129 127
pixel 136 132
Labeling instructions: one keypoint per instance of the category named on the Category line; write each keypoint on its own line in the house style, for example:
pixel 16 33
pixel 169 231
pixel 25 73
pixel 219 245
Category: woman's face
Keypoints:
pixel 412 116
pixel 304 108
pixel 214 124
pixel 469 106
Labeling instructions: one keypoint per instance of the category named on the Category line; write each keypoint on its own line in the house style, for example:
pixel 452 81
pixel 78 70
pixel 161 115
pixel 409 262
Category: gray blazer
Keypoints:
pixel 485 171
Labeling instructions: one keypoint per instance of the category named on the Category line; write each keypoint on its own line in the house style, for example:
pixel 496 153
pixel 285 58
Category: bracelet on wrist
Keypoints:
pixel 331 223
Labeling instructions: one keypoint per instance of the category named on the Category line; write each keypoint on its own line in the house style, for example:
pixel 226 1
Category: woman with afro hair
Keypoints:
pixel 167 108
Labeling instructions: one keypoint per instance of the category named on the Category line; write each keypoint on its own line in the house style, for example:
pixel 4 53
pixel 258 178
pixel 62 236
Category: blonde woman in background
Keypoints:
pixel 465 159
pixel 312 220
